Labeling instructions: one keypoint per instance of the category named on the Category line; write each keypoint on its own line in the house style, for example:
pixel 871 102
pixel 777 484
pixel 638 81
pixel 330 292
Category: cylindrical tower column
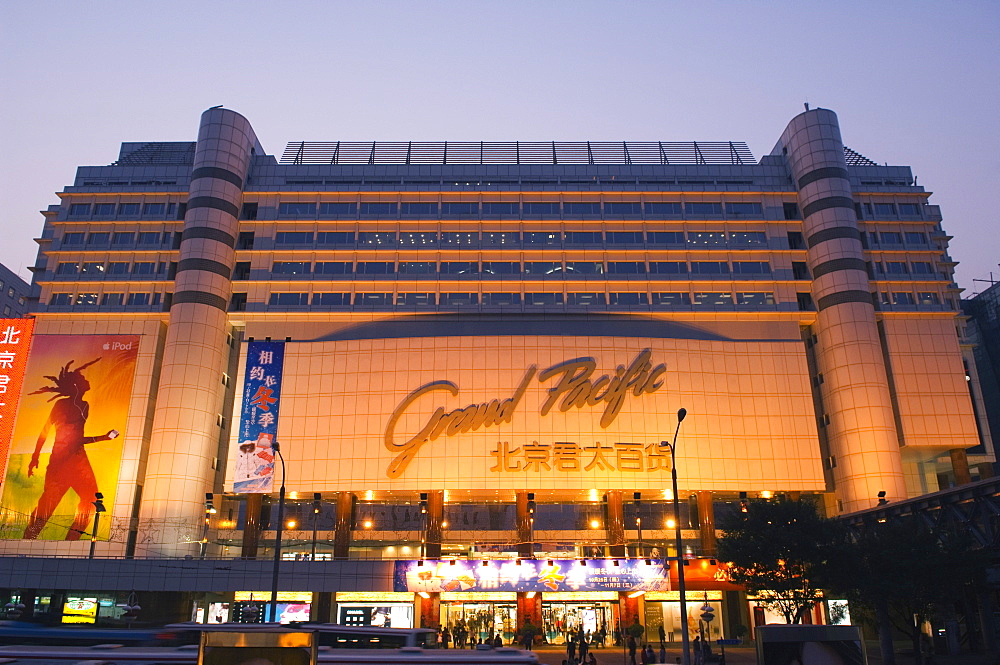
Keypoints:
pixel 186 428
pixel 855 392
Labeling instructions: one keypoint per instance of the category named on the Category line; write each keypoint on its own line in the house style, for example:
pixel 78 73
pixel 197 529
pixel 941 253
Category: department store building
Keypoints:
pixel 469 354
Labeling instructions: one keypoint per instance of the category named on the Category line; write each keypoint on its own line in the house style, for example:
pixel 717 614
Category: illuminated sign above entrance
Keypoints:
pixel 573 389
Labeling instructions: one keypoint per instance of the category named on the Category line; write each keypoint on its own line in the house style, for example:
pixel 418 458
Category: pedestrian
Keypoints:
pixel 602 635
pixel 592 660
pixel 583 645
pixel 644 656
pixel 497 640
pixel 571 648
pixel 663 653
pixel 631 650
pixel 445 637
pixel 699 655
pixel 650 656
pixel 663 636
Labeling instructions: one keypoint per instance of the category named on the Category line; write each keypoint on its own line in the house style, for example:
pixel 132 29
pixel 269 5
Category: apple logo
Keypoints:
pixel 106 346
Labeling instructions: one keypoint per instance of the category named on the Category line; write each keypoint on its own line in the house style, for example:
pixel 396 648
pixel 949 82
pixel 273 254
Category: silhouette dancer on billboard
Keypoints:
pixel 68 467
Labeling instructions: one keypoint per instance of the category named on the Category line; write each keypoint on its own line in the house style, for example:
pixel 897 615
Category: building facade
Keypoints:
pixel 13 294
pixel 462 362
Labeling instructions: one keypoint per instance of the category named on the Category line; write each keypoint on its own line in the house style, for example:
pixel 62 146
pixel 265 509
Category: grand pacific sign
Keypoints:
pixel 573 386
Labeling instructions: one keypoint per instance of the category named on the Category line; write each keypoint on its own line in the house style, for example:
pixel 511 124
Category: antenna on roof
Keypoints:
pixel 215 107
pixel 806 105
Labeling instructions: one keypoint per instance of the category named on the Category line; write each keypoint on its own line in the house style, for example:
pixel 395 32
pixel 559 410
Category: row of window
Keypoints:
pixel 123 239
pixel 112 268
pixel 530 299
pixel 105 299
pixel 514 209
pixel 892 209
pixel 517 238
pixel 876 239
pixel 517 268
pixel 901 268
pixel 126 210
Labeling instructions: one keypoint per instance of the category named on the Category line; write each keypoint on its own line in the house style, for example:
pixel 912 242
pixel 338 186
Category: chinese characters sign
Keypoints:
pixel 259 423
pixel 531 575
pixel 15 340
pixel 67 443
pixel 570 456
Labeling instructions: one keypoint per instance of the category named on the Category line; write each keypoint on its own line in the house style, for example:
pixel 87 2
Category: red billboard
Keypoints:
pixel 15 341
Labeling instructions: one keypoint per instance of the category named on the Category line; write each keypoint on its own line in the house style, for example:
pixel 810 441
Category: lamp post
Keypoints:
pixel 277 535
pixel 685 638
pixel 98 509
pixel 209 511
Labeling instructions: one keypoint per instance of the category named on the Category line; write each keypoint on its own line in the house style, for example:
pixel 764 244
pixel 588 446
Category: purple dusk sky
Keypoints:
pixel 914 83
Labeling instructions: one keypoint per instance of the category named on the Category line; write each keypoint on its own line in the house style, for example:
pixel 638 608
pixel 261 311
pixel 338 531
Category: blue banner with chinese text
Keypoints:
pixel 259 419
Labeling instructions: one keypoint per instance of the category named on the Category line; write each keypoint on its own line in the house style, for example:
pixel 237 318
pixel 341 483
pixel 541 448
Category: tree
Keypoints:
pixel 777 550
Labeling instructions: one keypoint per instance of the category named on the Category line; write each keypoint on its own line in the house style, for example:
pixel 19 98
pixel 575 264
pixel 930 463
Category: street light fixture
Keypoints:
pixel 98 509
pixel 685 638
pixel 277 535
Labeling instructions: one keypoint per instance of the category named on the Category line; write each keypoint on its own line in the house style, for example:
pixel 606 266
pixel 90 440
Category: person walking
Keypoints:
pixel 445 637
pixel 571 648
pixel 631 650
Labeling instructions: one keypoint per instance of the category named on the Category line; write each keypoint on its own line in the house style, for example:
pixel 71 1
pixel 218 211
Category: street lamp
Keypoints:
pixel 277 535
pixel 98 509
pixel 685 638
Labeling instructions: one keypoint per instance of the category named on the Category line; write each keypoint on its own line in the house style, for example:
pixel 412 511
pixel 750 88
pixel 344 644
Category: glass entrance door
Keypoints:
pixel 561 619
pixel 479 621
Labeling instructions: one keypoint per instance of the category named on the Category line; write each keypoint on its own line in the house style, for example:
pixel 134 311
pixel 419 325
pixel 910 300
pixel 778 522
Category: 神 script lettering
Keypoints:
pixel 574 388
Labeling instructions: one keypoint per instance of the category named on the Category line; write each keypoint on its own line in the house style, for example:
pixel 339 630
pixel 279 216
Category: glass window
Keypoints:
pixel 458 299
pixel 291 267
pixel 501 268
pixel 373 299
pixel 709 268
pixel 626 267
pixel 378 210
pixel 416 299
pixel 622 209
pixel 149 238
pixel 748 237
pixel 377 239
pixel 419 208
pixel 73 238
pixel 462 209
pixel 624 237
pixel 628 299
pixel 668 267
pixel 703 208
pixel 60 299
pixel 154 209
pixel 297 209
pixel 891 238
pixel 665 237
pixel 500 209
pixel 542 238
pixel 709 299
pixel 333 268
pixel 104 209
pixel 928 298
pixel 98 238
pixel 706 238
pixel 915 238
pixel 498 239
pixel 65 269
pixel 922 267
pixel 113 299
pixel 885 209
pixel 751 268
pixel 743 208
pixel 417 267
pixel 754 298
pixel 338 209
pixel 902 298
pixel 584 268
pixel 78 209
pixel 289 299
pixel 583 238
pixel 332 299
pixel 501 299
pixel 533 209
pixel 909 209
pixel 459 267
pixel 375 268
pixel 459 238
pixel 137 299
pixel 86 300
pixel 542 267
pixel 408 239
pixel 582 209
pixel 585 299
pixel 672 299
pixel 663 208
pixel 118 268
pixel 92 267
pixel 335 238
pixel 293 237
pixel 144 268
pixel 895 268
pixel 128 210
pixel 543 299
pixel 123 238
pixel 172 209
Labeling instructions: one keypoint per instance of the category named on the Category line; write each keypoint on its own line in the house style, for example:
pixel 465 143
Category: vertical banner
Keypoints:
pixel 254 465
pixel 67 443
pixel 15 341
